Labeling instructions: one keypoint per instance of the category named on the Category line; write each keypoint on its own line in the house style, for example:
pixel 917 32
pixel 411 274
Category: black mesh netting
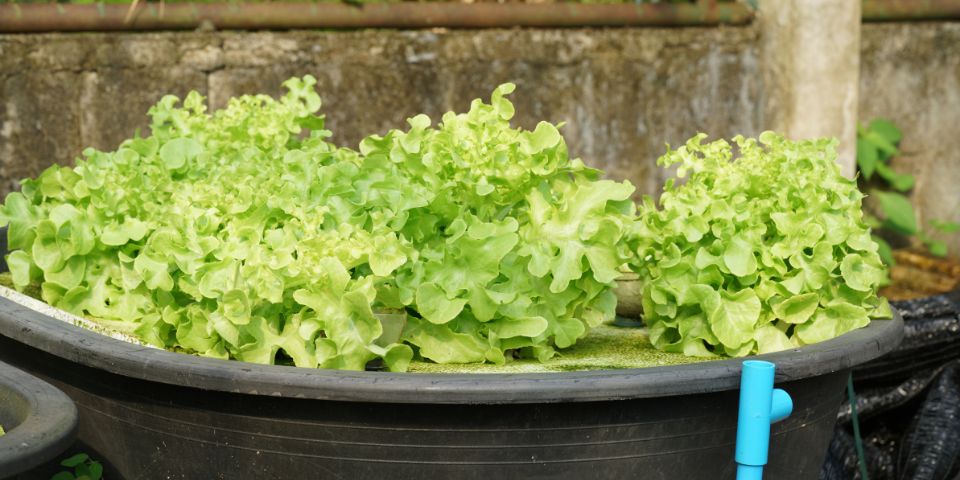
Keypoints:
pixel 908 402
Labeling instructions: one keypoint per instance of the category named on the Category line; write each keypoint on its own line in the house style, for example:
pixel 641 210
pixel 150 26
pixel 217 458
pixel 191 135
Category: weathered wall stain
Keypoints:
pixel 624 93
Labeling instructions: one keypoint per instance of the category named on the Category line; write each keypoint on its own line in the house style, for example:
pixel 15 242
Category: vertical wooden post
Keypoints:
pixel 811 70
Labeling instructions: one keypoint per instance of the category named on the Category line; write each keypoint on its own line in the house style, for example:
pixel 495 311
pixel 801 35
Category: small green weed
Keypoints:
pixel 877 143
pixel 83 468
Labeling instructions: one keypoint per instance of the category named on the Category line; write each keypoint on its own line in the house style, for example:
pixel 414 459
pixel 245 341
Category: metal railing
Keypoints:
pixel 288 15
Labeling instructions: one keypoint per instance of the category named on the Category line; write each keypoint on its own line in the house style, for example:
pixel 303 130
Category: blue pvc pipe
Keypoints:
pixel 760 405
pixel 781 407
pixel 748 472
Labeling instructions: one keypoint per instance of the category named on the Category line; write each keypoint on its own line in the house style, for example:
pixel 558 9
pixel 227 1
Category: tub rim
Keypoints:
pixel 94 350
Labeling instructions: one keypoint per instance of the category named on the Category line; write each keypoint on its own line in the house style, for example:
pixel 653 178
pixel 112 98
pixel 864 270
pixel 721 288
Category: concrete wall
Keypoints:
pixel 623 92
pixel 910 74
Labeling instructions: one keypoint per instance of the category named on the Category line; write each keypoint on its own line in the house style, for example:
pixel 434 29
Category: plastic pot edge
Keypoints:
pixel 91 349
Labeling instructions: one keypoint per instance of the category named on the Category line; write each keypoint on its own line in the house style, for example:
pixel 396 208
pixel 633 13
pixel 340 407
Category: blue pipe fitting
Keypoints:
pixel 760 406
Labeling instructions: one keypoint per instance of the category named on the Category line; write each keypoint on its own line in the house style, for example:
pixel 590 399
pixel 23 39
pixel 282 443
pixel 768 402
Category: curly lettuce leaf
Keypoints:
pixel 754 254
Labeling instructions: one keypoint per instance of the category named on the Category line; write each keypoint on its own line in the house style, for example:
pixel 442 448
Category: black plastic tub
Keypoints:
pixel 39 420
pixel 157 414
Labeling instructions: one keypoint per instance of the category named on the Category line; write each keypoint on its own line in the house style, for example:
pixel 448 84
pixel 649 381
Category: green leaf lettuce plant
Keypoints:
pixel 758 253
pixel 245 234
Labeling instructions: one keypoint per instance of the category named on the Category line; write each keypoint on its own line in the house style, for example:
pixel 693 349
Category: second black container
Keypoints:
pixel 39 420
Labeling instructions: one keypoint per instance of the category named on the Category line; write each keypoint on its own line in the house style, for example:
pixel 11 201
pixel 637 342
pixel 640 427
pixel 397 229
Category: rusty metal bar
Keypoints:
pixel 910 10
pixel 286 15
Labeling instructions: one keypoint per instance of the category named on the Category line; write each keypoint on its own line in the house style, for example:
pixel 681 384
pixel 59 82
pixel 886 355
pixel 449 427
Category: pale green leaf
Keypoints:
pixel 860 274
pixel 519 327
pixel 734 321
pixel 178 151
pixel 435 306
pixel 797 309
pixel 739 258
pixel 771 339
pixel 442 345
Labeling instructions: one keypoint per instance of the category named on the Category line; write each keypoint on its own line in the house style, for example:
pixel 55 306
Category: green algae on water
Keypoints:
pixel 33 291
pixel 603 348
